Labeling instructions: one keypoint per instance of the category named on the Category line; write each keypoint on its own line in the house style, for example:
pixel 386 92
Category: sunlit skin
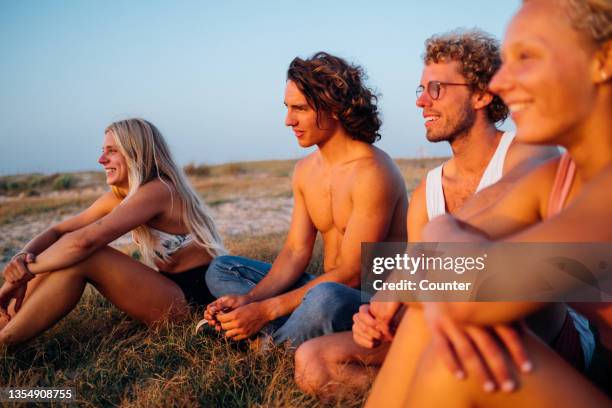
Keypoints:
pixel 114 164
pixel 529 79
pixel 348 191
pixel 452 114
pixel 557 84
pixel 67 256
pixel 459 117
pixel 326 363
pixel 309 128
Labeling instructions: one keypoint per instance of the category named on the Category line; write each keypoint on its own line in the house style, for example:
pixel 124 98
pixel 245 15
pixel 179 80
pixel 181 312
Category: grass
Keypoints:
pixel 113 361
pixel 35 184
pixel 12 210
pixel 282 168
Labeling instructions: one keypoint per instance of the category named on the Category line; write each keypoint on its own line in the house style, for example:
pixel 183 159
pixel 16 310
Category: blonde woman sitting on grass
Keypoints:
pixel 151 197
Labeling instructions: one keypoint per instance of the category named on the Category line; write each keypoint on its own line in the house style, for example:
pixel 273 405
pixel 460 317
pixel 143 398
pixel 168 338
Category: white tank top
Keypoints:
pixel 434 194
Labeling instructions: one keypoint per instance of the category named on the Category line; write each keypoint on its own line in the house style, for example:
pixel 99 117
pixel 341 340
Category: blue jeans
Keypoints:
pixel 326 308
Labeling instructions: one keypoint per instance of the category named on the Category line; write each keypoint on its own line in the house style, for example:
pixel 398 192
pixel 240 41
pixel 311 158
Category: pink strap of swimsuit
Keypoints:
pixel 562 185
pixel 567 343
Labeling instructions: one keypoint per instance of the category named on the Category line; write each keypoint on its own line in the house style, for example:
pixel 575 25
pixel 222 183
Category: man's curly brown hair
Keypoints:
pixel 332 85
pixel 479 57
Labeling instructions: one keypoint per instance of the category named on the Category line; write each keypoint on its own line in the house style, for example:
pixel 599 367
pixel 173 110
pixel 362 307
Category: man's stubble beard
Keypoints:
pixel 457 129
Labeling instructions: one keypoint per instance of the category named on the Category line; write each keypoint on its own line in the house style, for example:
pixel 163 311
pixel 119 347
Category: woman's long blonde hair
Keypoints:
pixel 148 158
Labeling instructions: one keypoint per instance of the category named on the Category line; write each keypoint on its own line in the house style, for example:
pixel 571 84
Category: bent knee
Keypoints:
pixel 310 371
pixel 326 294
pixel 308 353
pixel 176 312
pixel 327 289
pixel 7 338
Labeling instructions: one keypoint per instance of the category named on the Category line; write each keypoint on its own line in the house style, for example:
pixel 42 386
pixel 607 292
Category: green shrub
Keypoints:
pixel 38 180
pixel 64 182
pixel 232 169
pixel 193 169
pixel 15 185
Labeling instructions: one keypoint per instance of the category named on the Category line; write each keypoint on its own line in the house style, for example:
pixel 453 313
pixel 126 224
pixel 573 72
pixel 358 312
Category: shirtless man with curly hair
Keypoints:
pixel 347 190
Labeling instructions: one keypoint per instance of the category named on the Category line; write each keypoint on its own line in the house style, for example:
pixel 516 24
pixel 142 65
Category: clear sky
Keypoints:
pixel 209 74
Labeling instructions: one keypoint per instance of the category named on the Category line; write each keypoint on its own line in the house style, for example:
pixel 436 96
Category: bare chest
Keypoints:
pixel 456 192
pixel 328 201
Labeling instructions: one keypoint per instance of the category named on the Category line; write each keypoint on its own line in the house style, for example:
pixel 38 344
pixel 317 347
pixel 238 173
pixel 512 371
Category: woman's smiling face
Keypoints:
pixel 114 163
pixel 546 76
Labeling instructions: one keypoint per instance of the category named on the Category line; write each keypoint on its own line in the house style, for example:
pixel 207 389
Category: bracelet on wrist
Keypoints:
pixel 29 275
pixel 22 252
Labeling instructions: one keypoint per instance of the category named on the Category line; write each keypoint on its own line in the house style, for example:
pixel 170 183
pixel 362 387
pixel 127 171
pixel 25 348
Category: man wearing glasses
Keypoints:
pixel 459 109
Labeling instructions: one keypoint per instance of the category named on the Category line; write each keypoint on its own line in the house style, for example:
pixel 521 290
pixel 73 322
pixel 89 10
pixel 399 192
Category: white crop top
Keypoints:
pixel 168 244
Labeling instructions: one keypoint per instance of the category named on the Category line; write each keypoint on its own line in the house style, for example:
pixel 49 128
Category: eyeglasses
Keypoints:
pixel 433 88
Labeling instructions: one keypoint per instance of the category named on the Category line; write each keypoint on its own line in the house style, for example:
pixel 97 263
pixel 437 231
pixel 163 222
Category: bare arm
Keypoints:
pixel 77 245
pixel 509 206
pixel 416 220
pixel 476 210
pixel 521 160
pixel 97 210
pixel 497 200
pixel 297 250
pixel 587 219
pixel 417 213
pixel 522 205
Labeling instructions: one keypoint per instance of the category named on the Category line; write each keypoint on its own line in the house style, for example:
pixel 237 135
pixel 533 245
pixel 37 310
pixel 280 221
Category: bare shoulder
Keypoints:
pixel 528 156
pixel 379 166
pixel 583 219
pixel 536 185
pixel 304 167
pixel 108 201
pixel 543 174
pixel 105 204
pixel 159 190
pixel 375 178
